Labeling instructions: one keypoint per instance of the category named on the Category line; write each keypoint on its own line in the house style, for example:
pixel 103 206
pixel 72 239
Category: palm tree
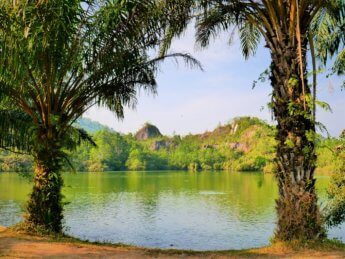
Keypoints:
pixel 287 29
pixel 58 59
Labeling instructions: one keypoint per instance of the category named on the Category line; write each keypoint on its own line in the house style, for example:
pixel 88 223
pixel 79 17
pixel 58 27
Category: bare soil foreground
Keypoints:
pixel 18 245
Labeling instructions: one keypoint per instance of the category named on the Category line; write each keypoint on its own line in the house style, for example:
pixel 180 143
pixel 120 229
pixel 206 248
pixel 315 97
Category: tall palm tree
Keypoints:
pixel 287 29
pixel 59 58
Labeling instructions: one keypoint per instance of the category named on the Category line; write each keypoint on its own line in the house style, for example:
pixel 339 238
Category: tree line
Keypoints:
pixel 250 148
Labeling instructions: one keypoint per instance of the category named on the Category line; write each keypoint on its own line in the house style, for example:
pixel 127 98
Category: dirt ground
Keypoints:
pixel 19 245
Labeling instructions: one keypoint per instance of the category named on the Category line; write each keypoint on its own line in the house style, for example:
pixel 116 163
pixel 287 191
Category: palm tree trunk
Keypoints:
pixel 297 208
pixel 44 209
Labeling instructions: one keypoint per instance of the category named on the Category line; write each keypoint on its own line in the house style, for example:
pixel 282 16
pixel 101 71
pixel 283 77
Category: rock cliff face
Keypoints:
pixel 157 145
pixel 239 146
pixel 148 131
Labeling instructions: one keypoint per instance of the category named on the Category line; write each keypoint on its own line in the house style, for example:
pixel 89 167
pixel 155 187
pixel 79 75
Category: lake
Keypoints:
pixel 165 209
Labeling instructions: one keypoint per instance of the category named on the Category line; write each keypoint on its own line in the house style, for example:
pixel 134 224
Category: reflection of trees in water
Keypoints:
pixel 243 195
pixel 14 187
pixel 234 194
pixel 153 202
pixel 28 176
pixel 260 180
pixel 146 198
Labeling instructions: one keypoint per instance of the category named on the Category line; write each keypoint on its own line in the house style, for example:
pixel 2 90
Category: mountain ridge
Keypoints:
pixel 90 126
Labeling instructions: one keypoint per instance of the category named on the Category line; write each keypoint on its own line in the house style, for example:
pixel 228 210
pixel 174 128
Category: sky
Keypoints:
pixel 194 101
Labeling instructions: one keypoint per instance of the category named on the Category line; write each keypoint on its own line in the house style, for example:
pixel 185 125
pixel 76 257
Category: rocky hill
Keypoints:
pixel 148 131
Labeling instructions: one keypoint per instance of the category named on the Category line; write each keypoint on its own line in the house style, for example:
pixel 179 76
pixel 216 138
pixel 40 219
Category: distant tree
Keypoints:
pixel 137 160
pixel 112 151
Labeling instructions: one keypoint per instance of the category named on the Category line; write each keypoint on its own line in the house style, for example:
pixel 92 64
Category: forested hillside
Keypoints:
pixel 244 144
pixel 90 125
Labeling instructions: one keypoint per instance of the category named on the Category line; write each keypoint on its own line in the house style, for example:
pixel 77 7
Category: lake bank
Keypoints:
pixel 17 244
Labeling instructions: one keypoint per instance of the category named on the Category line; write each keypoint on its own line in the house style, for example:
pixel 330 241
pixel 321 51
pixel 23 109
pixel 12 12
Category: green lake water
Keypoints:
pixel 165 209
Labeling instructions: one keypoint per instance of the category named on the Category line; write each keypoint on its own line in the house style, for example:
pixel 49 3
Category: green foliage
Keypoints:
pixel 329 158
pixel 335 211
pixel 16 129
pixel 111 152
pixel 328 30
pixel 245 144
pixel 251 147
pixel 11 162
pixel 59 58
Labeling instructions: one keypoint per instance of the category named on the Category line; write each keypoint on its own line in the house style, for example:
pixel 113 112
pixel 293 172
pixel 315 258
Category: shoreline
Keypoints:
pixel 318 171
pixel 16 244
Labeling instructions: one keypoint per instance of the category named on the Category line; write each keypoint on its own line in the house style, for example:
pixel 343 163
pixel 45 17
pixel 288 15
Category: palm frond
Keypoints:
pixel 211 23
pixel 188 59
pixel 16 130
pixel 85 137
pixel 228 17
pixel 75 136
pixel 328 29
pixel 176 15
pixel 250 38
pixel 339 63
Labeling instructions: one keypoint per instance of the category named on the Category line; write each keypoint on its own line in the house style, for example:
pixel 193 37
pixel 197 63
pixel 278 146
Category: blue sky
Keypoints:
pixel 192 101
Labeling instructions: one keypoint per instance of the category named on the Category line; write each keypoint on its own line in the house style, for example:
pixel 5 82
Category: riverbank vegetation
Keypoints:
pixel 243 144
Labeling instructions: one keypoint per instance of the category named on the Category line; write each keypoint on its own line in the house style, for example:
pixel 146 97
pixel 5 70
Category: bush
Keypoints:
pixel 335 211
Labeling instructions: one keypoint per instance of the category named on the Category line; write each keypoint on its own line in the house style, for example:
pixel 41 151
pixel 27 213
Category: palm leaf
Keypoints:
pixel 250 38
pixel 15 130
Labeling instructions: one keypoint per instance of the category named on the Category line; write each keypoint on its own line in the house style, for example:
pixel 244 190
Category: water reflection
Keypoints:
pixel 205 210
